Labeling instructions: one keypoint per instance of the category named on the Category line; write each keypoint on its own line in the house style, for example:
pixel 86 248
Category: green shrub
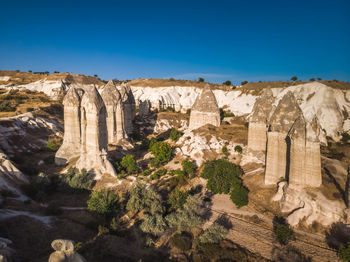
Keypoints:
pixel 188 218
pixel 221 175
pixel 154 224
pixel 152 141
pixel 161 151
pixel 213 235
pixel 77 180
pixel 6 106
pixel 239 195
pixel 146 172
pixel 227 83
pixel 177 199
pixel 114 225
pixel 129 164
pixel 238 149
pixel 52 145
pixel 200 79
pixel 171 79
pixel 154 162
pixel 177 172
pixel 142 198
pixel 157 174
pixel 188 167
pixel 103 202
pixel 344 252
pixel 175 134
pixel 102 230
pixel 224 150
pixel 244 83
pixel 345 137
pixel 284 233
pixel 294 78
pixel 145 143
pixel 182 242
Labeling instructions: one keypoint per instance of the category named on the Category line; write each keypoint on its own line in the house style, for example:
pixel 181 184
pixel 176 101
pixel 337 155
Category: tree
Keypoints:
pixel 319 78
pixel 312 79
pixel 188 167
pixel 344 252
pixel 46 72
pixel 239 195
pixel 153 224
pixel 238 149
pixel 221 175
pixel 175 134
pixel 144 199
pixel 177 199
pixel 284 233
pixel 294 78
pixel 78 180
pixel 213 234
pixel 162 151
pixel 103 202
pixel 30 71
pixel 227 83
pixel 95 75
pixel 201 79
pixel 171 79
pixel 188 218
pixel 129 164
pixel 56 72
pixel 224 150
pixel 244 82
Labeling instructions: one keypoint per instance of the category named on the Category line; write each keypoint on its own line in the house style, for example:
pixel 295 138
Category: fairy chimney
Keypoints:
pixel 205 110
pixel 293 150
pixel 93 147
pixel 71 141
pixel 115 114
pixel 257 131
pixel 129 105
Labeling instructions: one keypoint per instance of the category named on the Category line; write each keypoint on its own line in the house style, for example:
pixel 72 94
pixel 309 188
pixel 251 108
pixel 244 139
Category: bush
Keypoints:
pixel 294 78
pixel 344 252
pixel 77 180
pixel 145 143
pixel 284 233
pixel 157 174
pixel 201 79
pixel 6 106
pixel 345 137
pixel 152 141
pixel 239 195
pixel 142 198
pixel 52 145
pixel 104 202
pixel 213 235
pixel 244 82
pixel 161 151
pixel 175 134
pixel 238 149
pixel 177 199
pixel 188 167
pixel 146 172
pixel 224 150
pixel 181 241
pixel 227 83
pixel 312 79
pixel 188 218
pixel 114 225
pixel 171 79
pixel 153 224
pixel 177 172
pixel 221 175
pixel 154 162
pixel 129 164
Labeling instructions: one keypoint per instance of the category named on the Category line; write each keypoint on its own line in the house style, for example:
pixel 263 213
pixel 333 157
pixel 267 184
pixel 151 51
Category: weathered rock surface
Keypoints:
pixel 310 205
pixel 205 110
pixel 129 106
pixel 6 253
pixel 64 252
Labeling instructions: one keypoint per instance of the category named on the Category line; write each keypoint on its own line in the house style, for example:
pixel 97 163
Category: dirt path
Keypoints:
pixel 261 240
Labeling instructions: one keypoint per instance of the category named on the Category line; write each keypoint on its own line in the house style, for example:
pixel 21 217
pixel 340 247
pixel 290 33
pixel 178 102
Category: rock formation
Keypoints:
pixel 128 102
pixel 89 128
pixel 115 113
pixel 64 252
pixel 71 142
pixel 293 150
pixel 205 110
pixel 144 108
pixel 258 122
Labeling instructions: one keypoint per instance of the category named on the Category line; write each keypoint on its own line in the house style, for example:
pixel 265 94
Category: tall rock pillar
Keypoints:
pixel 70 147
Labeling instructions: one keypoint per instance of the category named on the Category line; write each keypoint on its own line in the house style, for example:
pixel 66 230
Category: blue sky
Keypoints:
pixel 218 40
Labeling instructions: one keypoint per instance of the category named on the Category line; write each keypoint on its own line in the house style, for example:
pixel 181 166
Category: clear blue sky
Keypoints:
pixel 218 40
